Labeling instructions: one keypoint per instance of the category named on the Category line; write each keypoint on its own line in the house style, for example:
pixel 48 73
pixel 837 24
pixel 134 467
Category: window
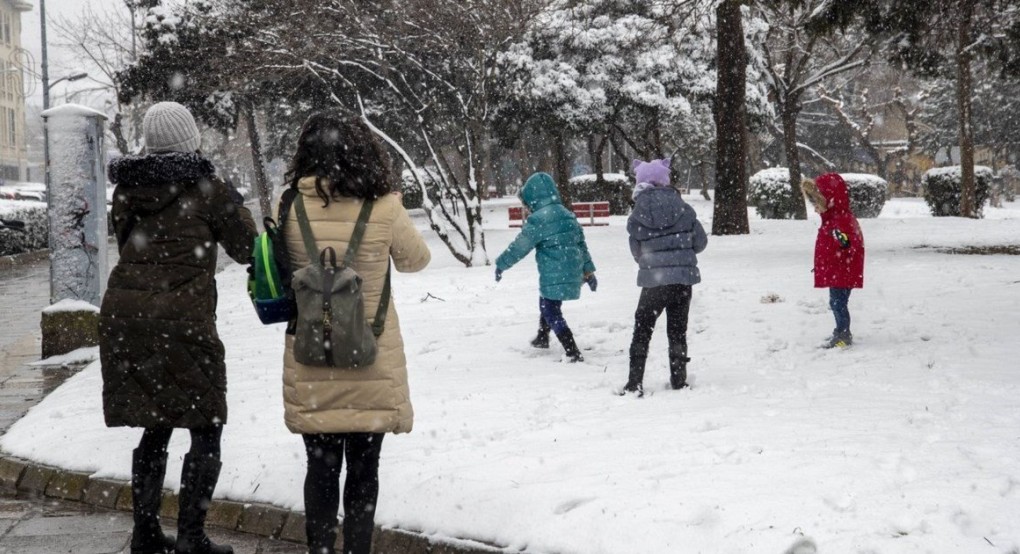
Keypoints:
pixel 7 29
pixel 12 123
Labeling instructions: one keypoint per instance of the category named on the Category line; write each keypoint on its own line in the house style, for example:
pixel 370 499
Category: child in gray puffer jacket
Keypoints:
pixel 665 236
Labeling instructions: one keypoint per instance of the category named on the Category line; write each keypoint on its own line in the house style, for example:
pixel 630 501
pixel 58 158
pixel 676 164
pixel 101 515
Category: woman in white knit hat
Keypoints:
pixel 162 359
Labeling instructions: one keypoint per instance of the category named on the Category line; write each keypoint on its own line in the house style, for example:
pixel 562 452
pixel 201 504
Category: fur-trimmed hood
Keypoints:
pixel 831 191
pixel 150 182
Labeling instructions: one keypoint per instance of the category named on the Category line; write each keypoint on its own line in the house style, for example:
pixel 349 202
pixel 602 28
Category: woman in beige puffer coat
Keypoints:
pixel 344 413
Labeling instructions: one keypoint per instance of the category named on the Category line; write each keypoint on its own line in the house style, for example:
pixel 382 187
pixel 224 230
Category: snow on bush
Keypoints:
pixel 867 193
pixel 34 237
pixel 770 193
pixel 1009 181
pixel 942 189
pixel 616 189
pixel 412 196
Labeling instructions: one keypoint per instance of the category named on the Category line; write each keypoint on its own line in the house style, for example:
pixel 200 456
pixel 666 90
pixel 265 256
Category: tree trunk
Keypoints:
pixel 963 101
pixel 258 164
pixel 485 171
pixel 562 172
pixel 620 150
pixel 730 216
pixel 598 148
pixel 702 172
pixel 117 128
pixel 789 114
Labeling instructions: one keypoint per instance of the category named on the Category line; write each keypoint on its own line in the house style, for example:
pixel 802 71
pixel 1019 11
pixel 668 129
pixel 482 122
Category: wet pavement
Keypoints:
pixel 35 526
pixel 44 525
pixel 25 291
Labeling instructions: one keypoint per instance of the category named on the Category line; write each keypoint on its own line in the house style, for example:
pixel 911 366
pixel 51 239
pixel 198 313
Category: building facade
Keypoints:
pixel 13 150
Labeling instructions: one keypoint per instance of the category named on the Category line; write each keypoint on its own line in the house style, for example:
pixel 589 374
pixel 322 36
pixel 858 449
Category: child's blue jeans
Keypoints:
pixel 552 313
pixel 838 301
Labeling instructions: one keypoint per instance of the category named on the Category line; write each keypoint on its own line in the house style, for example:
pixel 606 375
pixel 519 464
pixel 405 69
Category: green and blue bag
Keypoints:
pixel 269 276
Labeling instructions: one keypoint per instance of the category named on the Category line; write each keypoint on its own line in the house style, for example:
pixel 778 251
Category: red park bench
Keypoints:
pixel 585 212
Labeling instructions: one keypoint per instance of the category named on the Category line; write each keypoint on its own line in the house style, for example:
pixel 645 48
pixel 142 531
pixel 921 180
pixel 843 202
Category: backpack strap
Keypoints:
pixel 359 231
pixel 306 230
pixel 286 200
pixel 379 323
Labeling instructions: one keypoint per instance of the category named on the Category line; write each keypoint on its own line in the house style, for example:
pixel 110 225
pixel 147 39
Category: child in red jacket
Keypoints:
pixel 839 250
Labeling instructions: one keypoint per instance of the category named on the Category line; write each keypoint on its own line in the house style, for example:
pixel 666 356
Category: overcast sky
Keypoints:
pixel 61 63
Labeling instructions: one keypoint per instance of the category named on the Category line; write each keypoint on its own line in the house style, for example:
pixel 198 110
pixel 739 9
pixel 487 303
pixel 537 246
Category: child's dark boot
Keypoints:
pixel 567 340
pixel 678 372
pixel 635 377
pixel 840 339
pixel 542 340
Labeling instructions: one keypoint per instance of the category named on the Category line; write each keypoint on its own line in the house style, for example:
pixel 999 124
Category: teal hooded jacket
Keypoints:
pixel 558 240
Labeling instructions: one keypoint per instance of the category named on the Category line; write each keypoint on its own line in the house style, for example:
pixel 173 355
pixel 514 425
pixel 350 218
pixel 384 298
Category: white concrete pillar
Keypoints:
pixel 77 203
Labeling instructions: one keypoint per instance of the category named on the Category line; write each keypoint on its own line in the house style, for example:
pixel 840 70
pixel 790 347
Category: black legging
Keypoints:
pixel 205 441
pixel 361 489
pixel 676 301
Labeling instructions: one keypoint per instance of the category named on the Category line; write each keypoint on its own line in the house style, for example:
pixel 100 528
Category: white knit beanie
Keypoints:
pixel 170 127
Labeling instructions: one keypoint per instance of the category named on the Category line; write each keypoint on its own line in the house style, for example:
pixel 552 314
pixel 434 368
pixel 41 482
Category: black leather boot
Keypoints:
pixel 198 479
pixel 636 377
pixel 542 340
pixel 678 372
pixel 321 534
pixel 567 340
pixel 321 530
pixel 147 473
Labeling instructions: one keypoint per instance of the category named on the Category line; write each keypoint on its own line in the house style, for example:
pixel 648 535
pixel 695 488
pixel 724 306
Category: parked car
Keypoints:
pixel 39 196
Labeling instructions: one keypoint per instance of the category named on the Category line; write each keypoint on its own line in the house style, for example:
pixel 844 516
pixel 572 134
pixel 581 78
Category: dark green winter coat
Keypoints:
pixel 553 231
pixel 162 358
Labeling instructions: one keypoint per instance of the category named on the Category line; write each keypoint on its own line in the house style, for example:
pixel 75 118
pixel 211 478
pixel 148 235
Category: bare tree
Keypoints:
pixel 420 73
pixel 859 115
pixel 798 60
pixel 940 38
pixel 101 40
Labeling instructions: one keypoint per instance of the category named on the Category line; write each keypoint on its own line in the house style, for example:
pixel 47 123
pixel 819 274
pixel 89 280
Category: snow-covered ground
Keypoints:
pixel 907 442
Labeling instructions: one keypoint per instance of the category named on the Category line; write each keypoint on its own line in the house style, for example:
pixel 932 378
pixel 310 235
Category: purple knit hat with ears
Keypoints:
pixel 655 172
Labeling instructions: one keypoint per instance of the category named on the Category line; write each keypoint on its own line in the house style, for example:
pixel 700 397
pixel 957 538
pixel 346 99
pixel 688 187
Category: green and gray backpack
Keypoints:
pixel 269 275
pixel 331 328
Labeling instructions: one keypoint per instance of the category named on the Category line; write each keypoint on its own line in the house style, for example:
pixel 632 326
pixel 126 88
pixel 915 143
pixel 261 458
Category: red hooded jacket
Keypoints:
pixel 836 265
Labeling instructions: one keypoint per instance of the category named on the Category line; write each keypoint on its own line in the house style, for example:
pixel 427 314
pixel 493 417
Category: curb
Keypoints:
pixel 25 477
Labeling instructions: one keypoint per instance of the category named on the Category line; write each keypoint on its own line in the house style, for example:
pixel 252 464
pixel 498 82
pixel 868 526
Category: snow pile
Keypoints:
pixel 79 356
pixel 906 442
pixel 943 187
pixel 70 305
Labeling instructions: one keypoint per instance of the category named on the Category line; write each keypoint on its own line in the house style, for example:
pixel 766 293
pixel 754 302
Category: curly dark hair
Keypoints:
pixel 343 154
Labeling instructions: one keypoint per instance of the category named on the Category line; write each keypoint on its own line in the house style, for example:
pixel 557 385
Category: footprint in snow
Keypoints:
pixel 571 505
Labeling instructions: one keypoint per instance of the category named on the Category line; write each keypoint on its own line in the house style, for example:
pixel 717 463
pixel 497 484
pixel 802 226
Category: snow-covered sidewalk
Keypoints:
pixel 907 442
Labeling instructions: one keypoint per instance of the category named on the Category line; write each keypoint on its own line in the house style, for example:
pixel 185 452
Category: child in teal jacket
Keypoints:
pixel 562 255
